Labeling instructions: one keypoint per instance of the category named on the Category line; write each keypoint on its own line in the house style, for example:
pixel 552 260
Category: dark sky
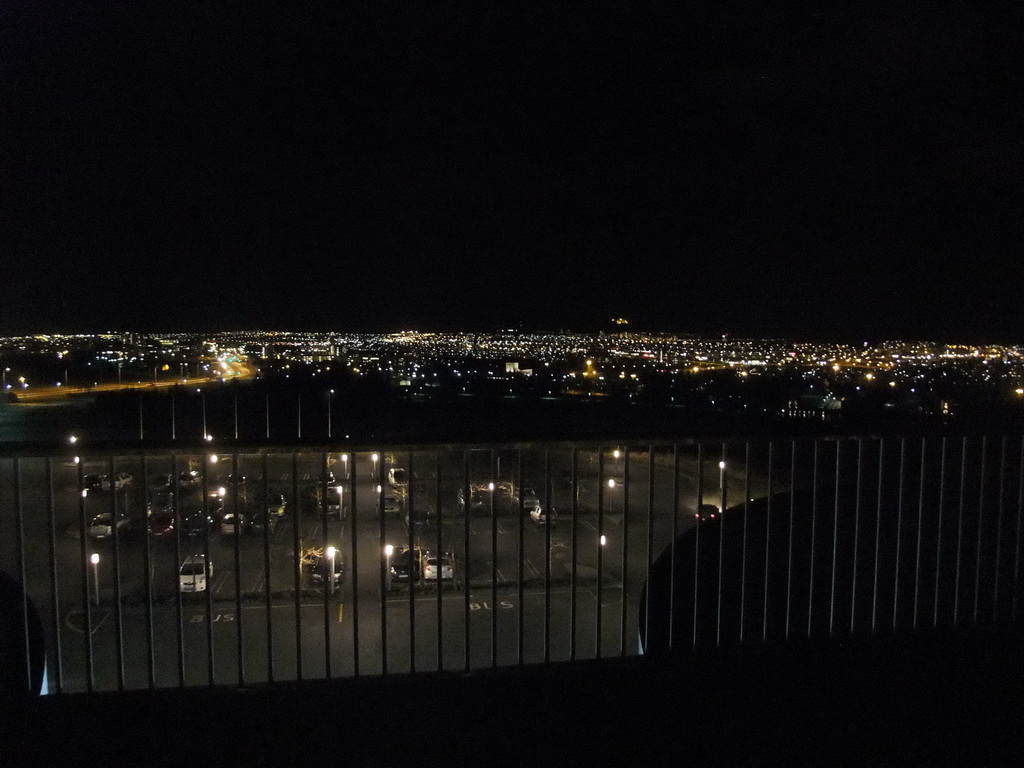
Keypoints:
pixel 842 172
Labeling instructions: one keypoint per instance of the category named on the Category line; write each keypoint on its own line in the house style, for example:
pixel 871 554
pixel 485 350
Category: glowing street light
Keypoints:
pixel 95 560
pixel 331 552
pixel 721 474
pixel 604 540
pixel 72 439
pixel 388 551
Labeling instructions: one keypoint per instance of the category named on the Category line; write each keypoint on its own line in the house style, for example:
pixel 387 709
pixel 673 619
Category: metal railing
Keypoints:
pixel 376 560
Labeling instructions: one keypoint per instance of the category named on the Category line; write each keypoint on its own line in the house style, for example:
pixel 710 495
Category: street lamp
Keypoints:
pixel 72 439
pixel 330 398
pixel 374 458
pixel 206 435
pixel 344 460
pixel 95 560
pixel 341 502
pixel 721 474
pixel 5 372
pixel 331 552
pixel 388 551
pixel 604 539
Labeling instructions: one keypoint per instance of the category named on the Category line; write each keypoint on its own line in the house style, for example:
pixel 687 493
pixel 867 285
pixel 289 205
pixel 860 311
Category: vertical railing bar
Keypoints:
pixel 723 475
pixel 494 565
pixel 650 541
pixel 899 533
pixel 878 533
pixel 385 577
pixel 981 513
pixel 1020 509
pixel 792 508
pixel 86 600
pixel 696 544
pixel 672 545
pixel 999 528
pixel 960 529
pixel 767 540
pixel 440 554
pixel 856 534
pixel 411 501
pixel 296 565
pixel 20 516
pixel 572 554
pixel 520 630
pixel 118 617
pixel 210 662
pixel 743 553
pixel 327 584
pixel 352 466
pixel 938 537
pixel 835 545
pixel 814 526
pixel 465 532
pixel 54 592
pixel 148 579
pixel 239 628
pixel 625 546
pixel 176 482
pixel 920 525
pixel 547 556
pixel 266 569
pixel 600 550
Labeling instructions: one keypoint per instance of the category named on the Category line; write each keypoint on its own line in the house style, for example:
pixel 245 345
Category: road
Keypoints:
pixel 508 598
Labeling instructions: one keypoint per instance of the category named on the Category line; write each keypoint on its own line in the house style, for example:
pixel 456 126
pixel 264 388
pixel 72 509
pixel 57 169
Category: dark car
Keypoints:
pixel 406 563
pixel 264 519
pixel 198 524
pixel 161 524
pixel 92 482
pixel 322 567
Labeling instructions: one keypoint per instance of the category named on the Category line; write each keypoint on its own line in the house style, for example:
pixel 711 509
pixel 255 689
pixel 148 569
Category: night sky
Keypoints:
pixel 843 172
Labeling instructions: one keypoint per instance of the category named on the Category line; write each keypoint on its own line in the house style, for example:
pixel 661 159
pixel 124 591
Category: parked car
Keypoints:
pixel 707 512
pixel 198 524
pixel 264 519
pixel 189 479
pixel 320 570
pixel 407 563
pixel 92 482
pixel 161 483
pixel 233 523
pixel 101 527
pixel 195 574
pixel 530 498
pixel 540 514
pixel 433 566
pixel 392 505
pixel 116 483
pixel 277 505
pixel 161 524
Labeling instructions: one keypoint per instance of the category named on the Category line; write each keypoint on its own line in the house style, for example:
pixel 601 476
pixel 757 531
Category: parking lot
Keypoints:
pixel 513 587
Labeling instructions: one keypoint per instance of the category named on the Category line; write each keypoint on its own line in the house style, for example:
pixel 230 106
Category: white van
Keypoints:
pixel 195 574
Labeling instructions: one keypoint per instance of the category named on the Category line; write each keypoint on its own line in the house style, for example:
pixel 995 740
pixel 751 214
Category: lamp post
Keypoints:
pixel 203 396
pixel 331 552
pixel 330 398
pixel 374 458
pixel 344 460
pixel 388 551
pixel 721 474
pixel 5 372
pixel 95 560
pixel 341 502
